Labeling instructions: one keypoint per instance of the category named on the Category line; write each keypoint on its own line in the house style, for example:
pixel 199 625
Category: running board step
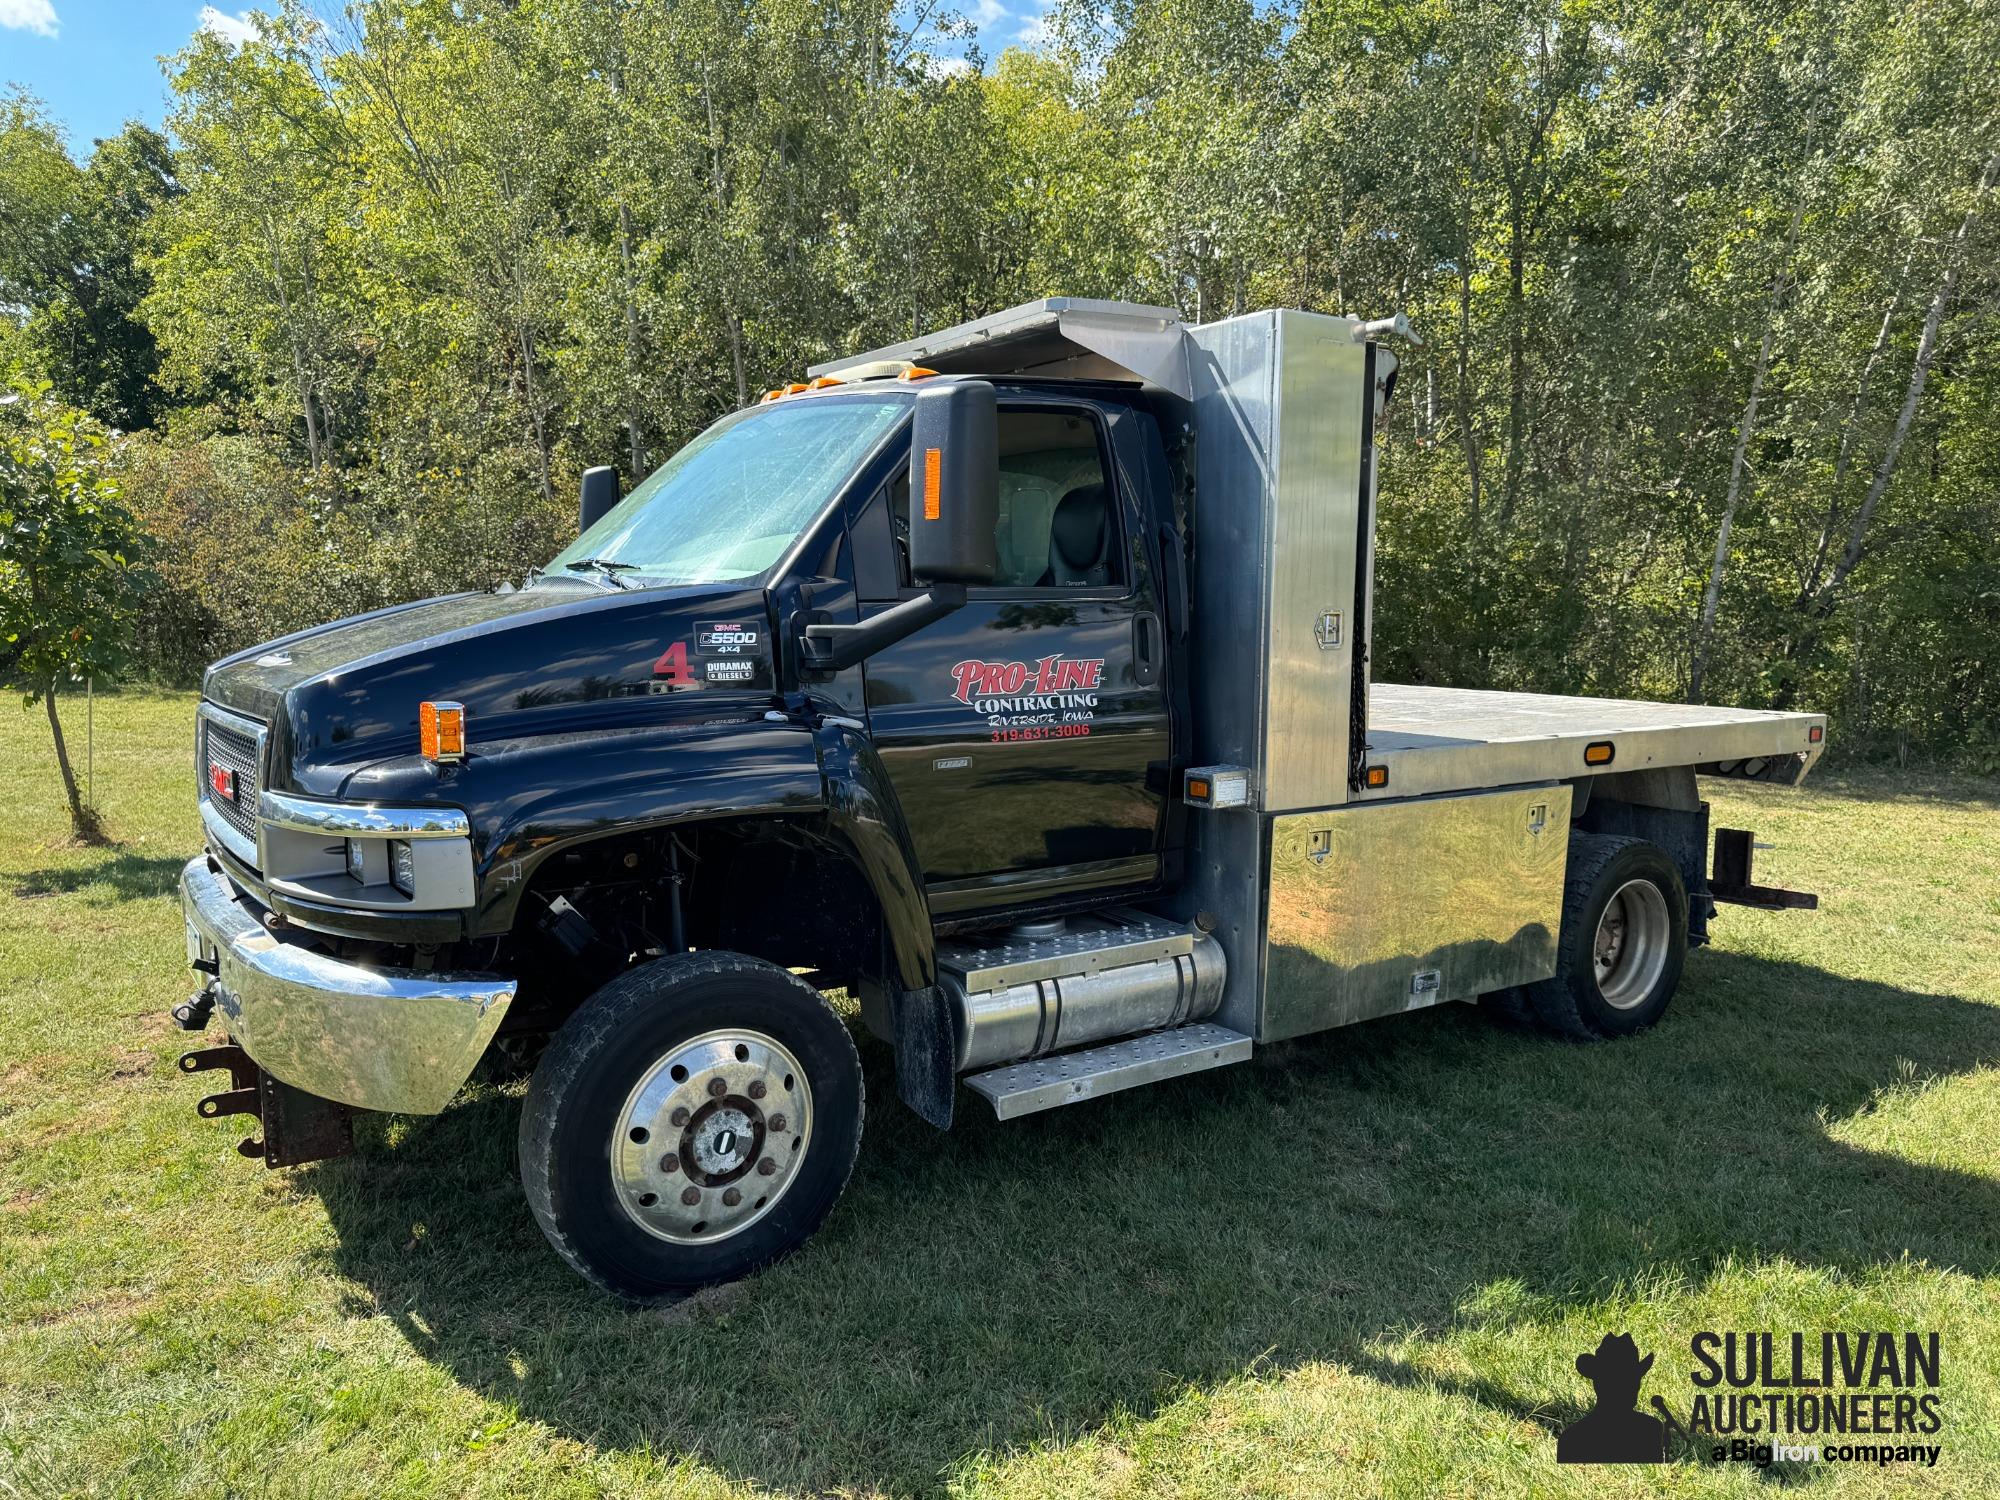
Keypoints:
pixel 1072 1077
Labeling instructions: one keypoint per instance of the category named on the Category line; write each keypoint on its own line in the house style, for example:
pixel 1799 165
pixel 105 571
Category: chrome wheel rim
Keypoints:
pixel 1633 938
pixel 711 1137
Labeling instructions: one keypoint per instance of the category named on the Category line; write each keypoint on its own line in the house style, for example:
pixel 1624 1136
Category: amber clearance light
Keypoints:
pixel 441 729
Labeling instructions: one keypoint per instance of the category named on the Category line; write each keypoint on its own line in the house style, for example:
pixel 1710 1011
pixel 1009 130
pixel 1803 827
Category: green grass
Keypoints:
pixel 1361 1264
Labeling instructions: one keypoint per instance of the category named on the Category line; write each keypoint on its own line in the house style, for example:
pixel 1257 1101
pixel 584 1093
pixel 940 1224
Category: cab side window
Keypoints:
pixel 1058 528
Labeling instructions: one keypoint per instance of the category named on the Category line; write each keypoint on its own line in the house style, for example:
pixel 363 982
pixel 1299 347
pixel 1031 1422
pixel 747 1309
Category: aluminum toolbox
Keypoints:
pixel 1284 406
pixel 1379 909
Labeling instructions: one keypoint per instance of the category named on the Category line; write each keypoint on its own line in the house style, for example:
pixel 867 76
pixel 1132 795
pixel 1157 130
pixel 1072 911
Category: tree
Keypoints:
pixel 72 571
pixel 68 242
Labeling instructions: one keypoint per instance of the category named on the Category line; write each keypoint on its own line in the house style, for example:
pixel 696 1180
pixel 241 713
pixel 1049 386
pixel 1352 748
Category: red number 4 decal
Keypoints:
pixel 673 665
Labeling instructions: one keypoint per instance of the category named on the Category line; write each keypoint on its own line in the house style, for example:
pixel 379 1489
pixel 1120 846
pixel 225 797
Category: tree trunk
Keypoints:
pixel 1517 366
pixel 1920 373
pixel 1465 429
pixel 1809 585
pixel 1711 599
pixel 631 343
pixel 1823 601
pixel 82 822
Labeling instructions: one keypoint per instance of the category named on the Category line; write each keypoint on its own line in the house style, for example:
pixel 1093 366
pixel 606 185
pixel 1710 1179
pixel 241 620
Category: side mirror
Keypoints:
pixel 955 484
pixel 600 493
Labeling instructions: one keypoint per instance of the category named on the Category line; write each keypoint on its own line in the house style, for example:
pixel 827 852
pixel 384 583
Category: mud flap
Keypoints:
pixel 298 1127
pixel 926 1055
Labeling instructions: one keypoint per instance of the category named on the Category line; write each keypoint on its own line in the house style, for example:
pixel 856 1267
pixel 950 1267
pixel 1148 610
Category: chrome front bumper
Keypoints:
pixel 397 1040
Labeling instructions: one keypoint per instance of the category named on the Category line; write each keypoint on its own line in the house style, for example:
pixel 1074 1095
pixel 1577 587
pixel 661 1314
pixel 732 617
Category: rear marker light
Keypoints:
pixel 1216 786
pixel 1375 777
pixel 441 730
pixel 1816 734
pixel 1599 753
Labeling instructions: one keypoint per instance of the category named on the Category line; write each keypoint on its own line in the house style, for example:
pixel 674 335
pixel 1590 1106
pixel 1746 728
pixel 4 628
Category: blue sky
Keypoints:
pixel 95 63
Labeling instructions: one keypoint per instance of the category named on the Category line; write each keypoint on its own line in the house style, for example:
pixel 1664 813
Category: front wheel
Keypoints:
pixel 1623 940
pixel 694 1120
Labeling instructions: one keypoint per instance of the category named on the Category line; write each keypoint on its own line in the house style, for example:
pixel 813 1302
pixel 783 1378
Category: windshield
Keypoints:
pixel 728 504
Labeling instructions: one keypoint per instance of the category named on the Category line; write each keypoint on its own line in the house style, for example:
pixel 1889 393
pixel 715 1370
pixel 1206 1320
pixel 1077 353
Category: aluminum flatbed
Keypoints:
pixel 1438 739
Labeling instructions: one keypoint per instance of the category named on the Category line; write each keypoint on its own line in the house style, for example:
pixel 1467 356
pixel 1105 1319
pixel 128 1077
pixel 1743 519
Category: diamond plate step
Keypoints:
pixel 1072 1077
pixel 1088 945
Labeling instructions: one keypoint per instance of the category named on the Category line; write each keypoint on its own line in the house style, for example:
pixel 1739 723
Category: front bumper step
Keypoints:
pixel 298 1127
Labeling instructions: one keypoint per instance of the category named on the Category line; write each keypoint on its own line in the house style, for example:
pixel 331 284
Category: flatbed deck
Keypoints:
pixel 1437 739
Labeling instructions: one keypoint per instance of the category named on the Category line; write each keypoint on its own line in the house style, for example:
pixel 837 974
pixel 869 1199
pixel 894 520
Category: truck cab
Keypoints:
pixel 1013 682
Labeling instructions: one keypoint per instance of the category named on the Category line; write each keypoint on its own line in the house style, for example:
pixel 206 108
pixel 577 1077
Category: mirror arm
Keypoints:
pixel 831 648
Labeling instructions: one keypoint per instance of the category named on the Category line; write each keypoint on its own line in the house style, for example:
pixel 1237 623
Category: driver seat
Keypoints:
pixel 1078 533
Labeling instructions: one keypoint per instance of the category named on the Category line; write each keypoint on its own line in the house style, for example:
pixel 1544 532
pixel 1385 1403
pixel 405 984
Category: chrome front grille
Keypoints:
pixel 236 745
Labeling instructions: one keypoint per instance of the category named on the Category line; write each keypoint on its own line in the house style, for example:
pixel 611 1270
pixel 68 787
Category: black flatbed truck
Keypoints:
pixel 1014 680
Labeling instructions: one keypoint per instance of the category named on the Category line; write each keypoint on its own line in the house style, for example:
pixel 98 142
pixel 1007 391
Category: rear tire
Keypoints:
pixel 1622 944
pixel 694 1121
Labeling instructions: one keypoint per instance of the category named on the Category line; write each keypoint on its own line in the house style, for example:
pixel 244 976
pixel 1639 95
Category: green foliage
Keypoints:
pixel 72 573
pixel 419 266
pixel 68 236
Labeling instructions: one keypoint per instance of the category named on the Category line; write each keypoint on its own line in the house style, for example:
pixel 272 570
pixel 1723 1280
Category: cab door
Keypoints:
pixel 1028 734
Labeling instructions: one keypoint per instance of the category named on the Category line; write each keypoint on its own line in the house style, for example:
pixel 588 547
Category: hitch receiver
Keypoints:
pixel 1730 880
pixel 298 1127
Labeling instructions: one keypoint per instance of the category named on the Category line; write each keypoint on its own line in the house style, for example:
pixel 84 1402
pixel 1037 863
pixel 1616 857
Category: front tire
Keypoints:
pixel 695 1120
pixel 1622 944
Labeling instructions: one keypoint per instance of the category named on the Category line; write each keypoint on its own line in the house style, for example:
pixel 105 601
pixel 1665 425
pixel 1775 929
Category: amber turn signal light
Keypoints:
pixel 1599 753
pixel 1375 776
pixel 441 728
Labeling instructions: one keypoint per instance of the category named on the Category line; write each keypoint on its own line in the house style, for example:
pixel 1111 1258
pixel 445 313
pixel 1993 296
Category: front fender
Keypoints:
pixel 530 799
pixel 863 812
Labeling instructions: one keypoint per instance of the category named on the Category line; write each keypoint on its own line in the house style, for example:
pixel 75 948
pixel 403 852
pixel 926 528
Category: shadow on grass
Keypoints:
pixel 124 877
pixel 1003 1285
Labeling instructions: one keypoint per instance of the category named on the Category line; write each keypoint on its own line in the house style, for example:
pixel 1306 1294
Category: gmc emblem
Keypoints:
pixel 222 780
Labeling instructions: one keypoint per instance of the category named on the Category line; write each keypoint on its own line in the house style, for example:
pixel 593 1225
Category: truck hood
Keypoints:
pixel 344 694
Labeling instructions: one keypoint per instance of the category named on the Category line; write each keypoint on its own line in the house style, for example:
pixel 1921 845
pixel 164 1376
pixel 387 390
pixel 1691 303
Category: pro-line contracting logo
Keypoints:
pixel 1053 698
pixel 1840 1397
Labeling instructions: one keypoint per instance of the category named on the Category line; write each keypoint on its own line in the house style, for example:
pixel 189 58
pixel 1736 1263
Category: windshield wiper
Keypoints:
pixel 609 569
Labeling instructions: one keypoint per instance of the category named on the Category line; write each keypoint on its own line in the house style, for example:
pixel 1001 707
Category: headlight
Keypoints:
pixel 403 866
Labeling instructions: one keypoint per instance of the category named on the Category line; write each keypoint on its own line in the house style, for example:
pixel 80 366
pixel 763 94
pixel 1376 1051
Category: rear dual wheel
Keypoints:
pixel 1622 944
pixel 696 1119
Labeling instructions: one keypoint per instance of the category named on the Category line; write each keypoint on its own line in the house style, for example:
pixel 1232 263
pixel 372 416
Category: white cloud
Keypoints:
pixel 38 16
pixel 986 12
pixel 1034 31
pixel 941 67
pixel 235 30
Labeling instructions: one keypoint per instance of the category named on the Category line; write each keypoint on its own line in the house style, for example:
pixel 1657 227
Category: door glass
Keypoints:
pixel 1057 528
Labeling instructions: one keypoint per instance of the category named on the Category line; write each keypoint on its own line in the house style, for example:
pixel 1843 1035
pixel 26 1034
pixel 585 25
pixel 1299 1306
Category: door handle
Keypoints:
pixel 1146 648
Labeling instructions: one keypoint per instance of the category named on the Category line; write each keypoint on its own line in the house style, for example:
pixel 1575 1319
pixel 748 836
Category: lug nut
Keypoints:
pixel 678 1117
pixel 717 1088
pixel 691 1196
pixel 756 1088
pixel 731 1198
pixel 766 1167
pixel 777 1122
pixel 670 1163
